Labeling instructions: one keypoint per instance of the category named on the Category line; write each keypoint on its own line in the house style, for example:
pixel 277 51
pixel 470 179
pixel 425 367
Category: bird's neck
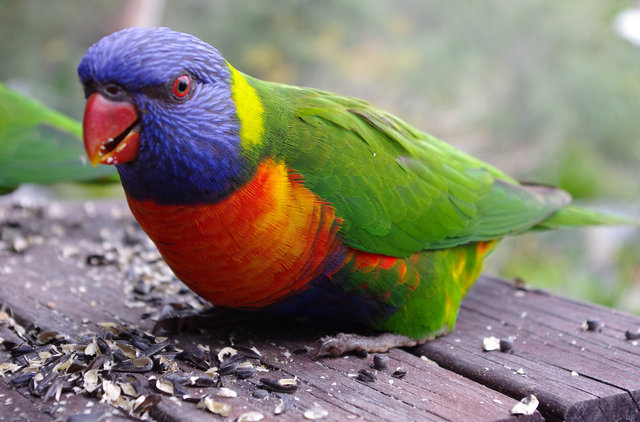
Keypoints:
pixel 190 173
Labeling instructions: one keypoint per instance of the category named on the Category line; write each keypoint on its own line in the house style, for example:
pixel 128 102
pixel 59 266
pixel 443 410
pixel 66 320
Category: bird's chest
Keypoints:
pixel 261 244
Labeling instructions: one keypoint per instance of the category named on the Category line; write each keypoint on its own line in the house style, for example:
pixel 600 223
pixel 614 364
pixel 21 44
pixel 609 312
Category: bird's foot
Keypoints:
pixel 344 343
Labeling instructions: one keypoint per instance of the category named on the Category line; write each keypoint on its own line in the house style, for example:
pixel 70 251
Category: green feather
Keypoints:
pixel 40 145
pixel 397 189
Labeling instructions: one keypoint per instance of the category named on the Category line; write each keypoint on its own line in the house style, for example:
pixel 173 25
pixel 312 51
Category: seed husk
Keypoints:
pixel 244 372
pixel 22 380
pixel 366 376
pixel 227 393
pixel 155 348
pixel 248 352
pixel 592 324
pixel 630 335
pixel 506 344
pixel 143 364
pixel 222 409
pixel 205 380
pixel 251 416
pixel 286 385
pixel 490 343
pixel 399 374
pixel 283 405
pixel 194 358
pixel 146 403
pixel 526 406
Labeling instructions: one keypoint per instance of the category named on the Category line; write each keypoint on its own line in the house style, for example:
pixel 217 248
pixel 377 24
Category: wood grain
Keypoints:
pixel 47 282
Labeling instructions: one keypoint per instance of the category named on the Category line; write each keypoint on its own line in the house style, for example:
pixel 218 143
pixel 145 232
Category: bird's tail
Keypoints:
pixel 575 216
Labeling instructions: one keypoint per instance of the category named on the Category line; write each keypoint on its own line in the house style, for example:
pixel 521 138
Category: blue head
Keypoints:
pixel 160 108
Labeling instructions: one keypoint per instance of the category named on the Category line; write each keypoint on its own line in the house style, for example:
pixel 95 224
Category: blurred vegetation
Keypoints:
pixel 545 90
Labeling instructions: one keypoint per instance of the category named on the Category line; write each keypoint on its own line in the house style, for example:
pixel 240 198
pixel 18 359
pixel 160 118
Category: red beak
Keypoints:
pixel 111 130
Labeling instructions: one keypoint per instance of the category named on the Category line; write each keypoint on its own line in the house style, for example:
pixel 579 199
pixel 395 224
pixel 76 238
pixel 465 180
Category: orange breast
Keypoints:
pixel 261 244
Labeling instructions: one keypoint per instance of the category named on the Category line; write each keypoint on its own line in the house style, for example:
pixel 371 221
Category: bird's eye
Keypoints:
pixel 182 86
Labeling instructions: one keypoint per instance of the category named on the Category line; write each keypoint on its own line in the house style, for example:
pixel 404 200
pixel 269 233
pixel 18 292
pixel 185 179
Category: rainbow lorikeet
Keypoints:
pixel 285 200
pixel 39 144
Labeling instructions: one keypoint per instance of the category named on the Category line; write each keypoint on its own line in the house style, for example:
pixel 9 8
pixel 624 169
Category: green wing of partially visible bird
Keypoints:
pixel 398 190
pixel 40 145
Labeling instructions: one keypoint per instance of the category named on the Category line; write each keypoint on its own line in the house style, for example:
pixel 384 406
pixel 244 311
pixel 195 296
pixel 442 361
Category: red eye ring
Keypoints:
pixel 182 86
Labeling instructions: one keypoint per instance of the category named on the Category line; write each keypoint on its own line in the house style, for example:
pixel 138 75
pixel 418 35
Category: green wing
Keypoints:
pixel 40 145
pixel 397 189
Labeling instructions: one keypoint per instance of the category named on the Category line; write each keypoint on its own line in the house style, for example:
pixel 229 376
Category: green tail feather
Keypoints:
pixel 574 216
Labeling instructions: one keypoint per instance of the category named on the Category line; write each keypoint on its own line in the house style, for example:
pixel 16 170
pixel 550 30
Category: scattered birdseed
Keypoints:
pixel 380 361
pixel 315 413
pixel 526 406
pixel 260 393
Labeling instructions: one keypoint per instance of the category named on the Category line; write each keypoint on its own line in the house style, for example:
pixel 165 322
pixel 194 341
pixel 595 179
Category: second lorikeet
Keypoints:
pixel 40 145
pixel 293 201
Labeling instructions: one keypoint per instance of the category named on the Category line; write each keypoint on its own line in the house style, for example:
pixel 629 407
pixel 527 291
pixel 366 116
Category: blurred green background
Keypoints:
pixel 544 89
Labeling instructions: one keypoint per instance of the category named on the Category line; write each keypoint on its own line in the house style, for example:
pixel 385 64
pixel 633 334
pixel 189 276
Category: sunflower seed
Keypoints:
pixel 506 344
pixel 526 406
pixel 399 374
pixel 286 385
pixel 227 393
pixel 144 404
pixel 143 364
pixel 283 405
pixel 222 409
pixel 251 416
pixel 630 335
pixel 366 376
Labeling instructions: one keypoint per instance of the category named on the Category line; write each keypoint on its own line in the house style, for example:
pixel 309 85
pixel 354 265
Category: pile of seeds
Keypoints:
pixel 128 369
pixel 120 364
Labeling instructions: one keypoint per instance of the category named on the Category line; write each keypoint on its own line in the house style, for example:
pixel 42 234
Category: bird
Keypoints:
pixel 287 201
pixel 40 145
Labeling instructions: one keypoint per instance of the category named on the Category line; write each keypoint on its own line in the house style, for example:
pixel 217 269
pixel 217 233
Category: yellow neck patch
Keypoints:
pixel 249 109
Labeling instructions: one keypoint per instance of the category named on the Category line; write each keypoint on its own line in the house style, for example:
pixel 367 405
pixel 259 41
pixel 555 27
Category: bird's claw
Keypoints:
pixel 344 343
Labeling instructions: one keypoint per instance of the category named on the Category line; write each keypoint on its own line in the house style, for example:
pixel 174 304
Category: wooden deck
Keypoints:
pixel 79 280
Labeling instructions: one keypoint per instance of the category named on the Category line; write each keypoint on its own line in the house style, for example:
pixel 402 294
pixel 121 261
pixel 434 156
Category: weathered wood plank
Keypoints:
pixel 47 282
pixel 576 374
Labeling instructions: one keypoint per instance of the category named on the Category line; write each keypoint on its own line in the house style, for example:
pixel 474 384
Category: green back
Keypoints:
pixel 398 190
